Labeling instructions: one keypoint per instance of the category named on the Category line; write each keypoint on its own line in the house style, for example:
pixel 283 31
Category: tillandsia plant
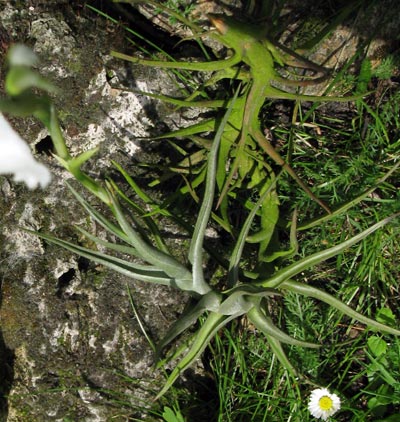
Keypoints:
pixel 254 60
pixel 245 289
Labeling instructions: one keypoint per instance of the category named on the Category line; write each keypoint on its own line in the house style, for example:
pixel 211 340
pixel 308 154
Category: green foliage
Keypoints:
pixel 302 316
pixel 182 8
pixel 170 415
pixel 386 68
pixel 248 288
pixel 383 371
pixel 254 61
pixel 273 288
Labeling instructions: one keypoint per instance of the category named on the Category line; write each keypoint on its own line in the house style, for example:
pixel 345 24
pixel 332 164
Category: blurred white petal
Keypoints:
pixel 21 55
pixel 16 158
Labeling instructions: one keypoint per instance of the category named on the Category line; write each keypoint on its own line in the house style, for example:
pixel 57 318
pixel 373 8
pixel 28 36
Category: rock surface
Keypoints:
pixel 69 338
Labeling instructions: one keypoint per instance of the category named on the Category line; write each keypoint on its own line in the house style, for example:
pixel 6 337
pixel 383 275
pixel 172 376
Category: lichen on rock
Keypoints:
pixel 68 332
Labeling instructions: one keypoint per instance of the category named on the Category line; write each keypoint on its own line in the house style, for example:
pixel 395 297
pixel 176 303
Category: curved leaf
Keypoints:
pixel 103 221
pixel 264 323
pixel 316 258
pixel 137 271
pixel 306 290
pixel 233 274
pixel 208 302
pixel 277 349
pixel 238 298
pixel 210 327
pixel 196 245
pixel 156 257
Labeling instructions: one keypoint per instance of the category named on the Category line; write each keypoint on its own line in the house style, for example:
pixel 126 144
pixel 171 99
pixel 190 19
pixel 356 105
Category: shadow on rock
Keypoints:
pixel 6 376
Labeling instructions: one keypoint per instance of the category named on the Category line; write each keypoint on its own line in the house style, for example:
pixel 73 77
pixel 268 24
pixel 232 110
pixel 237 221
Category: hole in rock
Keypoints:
pixel 64 280
pixel 83 264
pixel 45 146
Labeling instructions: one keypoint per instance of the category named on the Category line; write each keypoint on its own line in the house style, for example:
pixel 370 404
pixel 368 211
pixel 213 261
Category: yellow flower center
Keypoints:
pixel 325 403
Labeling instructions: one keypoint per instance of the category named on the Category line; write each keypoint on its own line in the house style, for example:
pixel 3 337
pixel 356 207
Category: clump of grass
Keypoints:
pixel 343 156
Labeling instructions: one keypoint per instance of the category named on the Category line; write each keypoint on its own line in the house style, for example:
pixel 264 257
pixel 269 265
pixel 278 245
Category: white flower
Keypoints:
pixel 323 404
pixel 21 55
pixel 16 158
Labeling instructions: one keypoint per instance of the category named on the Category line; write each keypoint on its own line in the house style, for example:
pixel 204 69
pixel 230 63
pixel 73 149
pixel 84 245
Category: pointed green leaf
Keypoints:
pixel 208 302
pixel 343 208
pixel 264 323
pixel 161 260
pixel 21 78
pixel 277 349
pixel 137 271
pixel 209 328
pixel 306 290
pixel 316 258
pixel 109 245
pixel 233 275
pixel 103 221
pixel 238 298
pixel 77 162
pixel 196 245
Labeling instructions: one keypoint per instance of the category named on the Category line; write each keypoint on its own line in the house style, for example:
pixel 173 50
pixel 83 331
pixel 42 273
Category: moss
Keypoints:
pixel 16 320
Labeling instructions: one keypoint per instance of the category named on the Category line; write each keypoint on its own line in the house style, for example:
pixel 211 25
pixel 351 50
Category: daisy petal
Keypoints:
pixel 322 404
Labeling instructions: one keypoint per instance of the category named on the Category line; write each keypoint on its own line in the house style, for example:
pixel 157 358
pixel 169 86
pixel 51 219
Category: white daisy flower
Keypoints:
pixel 16 158
pixel 323 404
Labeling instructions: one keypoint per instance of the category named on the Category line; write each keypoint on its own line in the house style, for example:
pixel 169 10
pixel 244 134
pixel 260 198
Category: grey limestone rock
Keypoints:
pixel 69 339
